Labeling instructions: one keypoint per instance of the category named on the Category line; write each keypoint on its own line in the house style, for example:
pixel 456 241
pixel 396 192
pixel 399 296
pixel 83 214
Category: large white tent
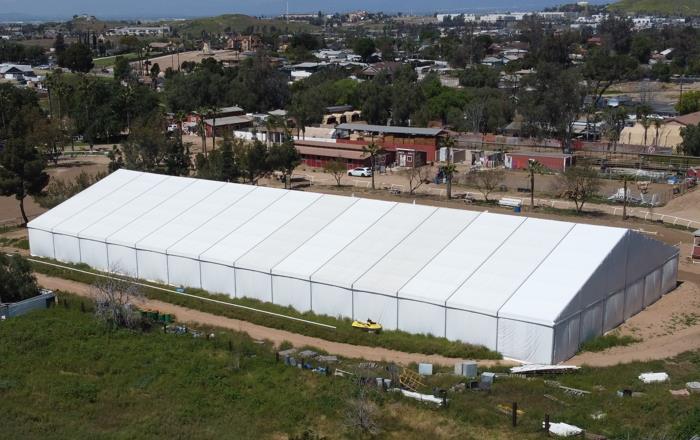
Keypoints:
pixel 529 288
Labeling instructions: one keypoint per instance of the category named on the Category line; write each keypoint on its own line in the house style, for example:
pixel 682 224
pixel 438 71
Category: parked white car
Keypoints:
pixel 360 172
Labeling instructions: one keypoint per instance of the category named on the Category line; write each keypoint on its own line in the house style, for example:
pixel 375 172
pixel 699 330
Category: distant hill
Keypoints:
pixel 660 7
pixel 238 23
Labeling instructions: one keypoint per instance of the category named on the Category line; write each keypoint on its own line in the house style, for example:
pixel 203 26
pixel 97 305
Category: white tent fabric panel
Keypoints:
pixel 152 266
pixel 592 322
pixel 215 229
pixel 525 341
pixel 414 252
pixel 378 308
pixel 48 220
pixel 194 217
pixel 109 204
pixel 165 190
pixel 164 213
pixel 646 254
pixel 67 248
pixel 253 284
pixel 331 300
pixel 634 298
pixel 275 216
pixel 41 243
pixel 461 258
pixel 472 328
pixel 566 339
pixel 614 310
pixel 369 247
pixel 122 260
pixel 184 272
pixel 94 254
pixel 669 275
pixel 500 276
pixel 217 278
pixel 568 267
pixel 292 292
pixel 333 238
pixel 652 287
pixel 421 317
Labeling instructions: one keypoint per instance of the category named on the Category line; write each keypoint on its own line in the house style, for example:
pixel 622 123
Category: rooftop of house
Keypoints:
pixel 388 129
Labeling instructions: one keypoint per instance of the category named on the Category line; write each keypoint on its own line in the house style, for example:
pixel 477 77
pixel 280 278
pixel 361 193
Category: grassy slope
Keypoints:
pixel 674 7
pixel 63 376
pixel 237 23
pixel 395 340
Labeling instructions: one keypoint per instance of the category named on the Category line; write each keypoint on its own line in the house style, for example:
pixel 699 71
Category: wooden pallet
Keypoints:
pixel 410 380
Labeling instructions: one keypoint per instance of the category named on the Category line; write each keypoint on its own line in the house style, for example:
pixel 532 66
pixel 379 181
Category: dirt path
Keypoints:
pixel 276 336
pixel 667 328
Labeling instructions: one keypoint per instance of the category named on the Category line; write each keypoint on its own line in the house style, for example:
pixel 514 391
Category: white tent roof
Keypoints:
pixel 136 208
pixel 332 239
pixel 567 267
pixel 487 289
pixel 301 228
pixel 408 257
pixel 165 212
pixel 362 253
pixel 186 223
pixel 108 204
pixel 241 240
pixel 48 220
pixel 464 255
pixel 193 244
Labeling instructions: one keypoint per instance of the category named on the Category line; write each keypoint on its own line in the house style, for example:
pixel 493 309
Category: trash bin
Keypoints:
pixel 516 209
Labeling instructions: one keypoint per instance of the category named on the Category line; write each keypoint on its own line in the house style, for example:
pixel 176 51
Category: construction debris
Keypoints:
pixel 564 430
pixel 425 369
pixel 421 397
pixel 693 387
pixel 653 377
pixel 410 379
pixel 544 369
pixel 680 392
pixel 327 358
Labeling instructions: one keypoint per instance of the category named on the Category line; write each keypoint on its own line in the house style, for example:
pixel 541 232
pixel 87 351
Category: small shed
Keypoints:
pixel 696 245
pixel 553 161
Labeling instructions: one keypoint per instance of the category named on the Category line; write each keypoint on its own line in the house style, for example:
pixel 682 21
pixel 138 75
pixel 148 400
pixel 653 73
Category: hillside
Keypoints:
pixel 238 23
pixel 659 7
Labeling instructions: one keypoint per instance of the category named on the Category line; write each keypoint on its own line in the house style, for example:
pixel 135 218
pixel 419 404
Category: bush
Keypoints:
pixel 16 279
pixel 604 342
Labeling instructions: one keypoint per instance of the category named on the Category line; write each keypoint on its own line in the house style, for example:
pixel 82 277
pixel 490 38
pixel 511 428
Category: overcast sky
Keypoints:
pixel 189 8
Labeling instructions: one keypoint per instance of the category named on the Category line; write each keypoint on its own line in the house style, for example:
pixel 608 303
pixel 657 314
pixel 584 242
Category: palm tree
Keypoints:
pixel 213 111
pixel 372 150
pixel 657 127
pixel 180 117
pixel 202 130
pixel 450 169
pixel 533 167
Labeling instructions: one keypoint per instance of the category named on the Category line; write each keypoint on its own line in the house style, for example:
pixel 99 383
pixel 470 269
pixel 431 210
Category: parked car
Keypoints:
pixel 360 172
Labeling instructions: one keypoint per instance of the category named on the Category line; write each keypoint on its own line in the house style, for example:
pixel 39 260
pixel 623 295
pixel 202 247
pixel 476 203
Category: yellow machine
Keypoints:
pixel 368 326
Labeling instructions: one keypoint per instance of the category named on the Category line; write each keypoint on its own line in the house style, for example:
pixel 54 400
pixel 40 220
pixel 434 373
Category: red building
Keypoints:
pixel 317 153
pixel 553 161
pixel 409 146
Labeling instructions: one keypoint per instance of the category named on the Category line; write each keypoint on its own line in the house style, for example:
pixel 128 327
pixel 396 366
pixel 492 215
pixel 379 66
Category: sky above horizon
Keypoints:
pixel 187 8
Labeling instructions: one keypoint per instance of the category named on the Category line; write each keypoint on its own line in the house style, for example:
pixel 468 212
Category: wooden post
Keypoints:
pixel 546 424
pixel 515 414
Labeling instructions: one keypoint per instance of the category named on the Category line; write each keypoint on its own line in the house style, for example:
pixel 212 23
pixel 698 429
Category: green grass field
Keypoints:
pixel 238 23
pixel 63 375
pixel 675 7
pixel 395 340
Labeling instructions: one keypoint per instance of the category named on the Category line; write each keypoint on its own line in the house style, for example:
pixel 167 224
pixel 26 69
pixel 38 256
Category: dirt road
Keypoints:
pixel 276 336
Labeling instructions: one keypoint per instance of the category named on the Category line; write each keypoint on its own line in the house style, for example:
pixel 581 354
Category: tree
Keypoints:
pixel 122 69
pixel 116 161
pixel 177 157
pixel 373 151
pixel 77 57
pixel 284 158
pixel 615 119
pixel 116 302
pixel 17 281
pixel 533 168
pixel 689 102
pixel 625 179
pixel 337 168
pixel 146 146
pixel 579 184
pixel 417 176
pixel 255 162
pixel 59 44
pixel 22 172
pixel 364 47
pixel 361 413
pixel 155 71
pixel 691 140
pixel 486 181
pixel 479 76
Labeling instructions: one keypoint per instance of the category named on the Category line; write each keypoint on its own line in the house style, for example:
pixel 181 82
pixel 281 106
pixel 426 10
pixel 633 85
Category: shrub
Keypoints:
pixel 16 279
pixel 604 342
